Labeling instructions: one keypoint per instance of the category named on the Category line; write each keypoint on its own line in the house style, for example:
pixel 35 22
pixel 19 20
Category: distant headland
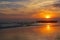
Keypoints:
pixel 51 21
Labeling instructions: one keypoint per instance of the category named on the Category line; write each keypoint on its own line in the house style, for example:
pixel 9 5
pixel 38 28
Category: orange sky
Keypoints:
pixel 44 13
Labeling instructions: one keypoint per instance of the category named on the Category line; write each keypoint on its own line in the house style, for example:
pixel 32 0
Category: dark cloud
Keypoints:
pixel 57 3
pixel 1 14
pixel 11 6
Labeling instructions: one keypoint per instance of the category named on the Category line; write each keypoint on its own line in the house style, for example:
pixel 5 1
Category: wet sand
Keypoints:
pixel 46 32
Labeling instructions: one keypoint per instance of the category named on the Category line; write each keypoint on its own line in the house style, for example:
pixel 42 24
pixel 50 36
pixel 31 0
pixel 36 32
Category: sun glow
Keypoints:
pixel 47 16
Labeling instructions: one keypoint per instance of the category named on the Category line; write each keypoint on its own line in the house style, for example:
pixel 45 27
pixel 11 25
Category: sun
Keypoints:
pixel 47 16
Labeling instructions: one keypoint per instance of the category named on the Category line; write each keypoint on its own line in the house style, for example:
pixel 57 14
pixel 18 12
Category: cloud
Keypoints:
pixel 10 6
pixel 13 0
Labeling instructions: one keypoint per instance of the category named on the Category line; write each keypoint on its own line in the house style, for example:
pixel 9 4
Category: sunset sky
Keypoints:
pixel 29 8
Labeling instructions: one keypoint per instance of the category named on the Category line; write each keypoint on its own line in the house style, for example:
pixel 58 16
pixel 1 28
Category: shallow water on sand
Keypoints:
pixel 46 31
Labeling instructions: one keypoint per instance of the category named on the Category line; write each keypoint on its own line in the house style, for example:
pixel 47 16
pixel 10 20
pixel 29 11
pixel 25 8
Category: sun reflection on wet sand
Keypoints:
pixel 48 32
pixel 48 27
